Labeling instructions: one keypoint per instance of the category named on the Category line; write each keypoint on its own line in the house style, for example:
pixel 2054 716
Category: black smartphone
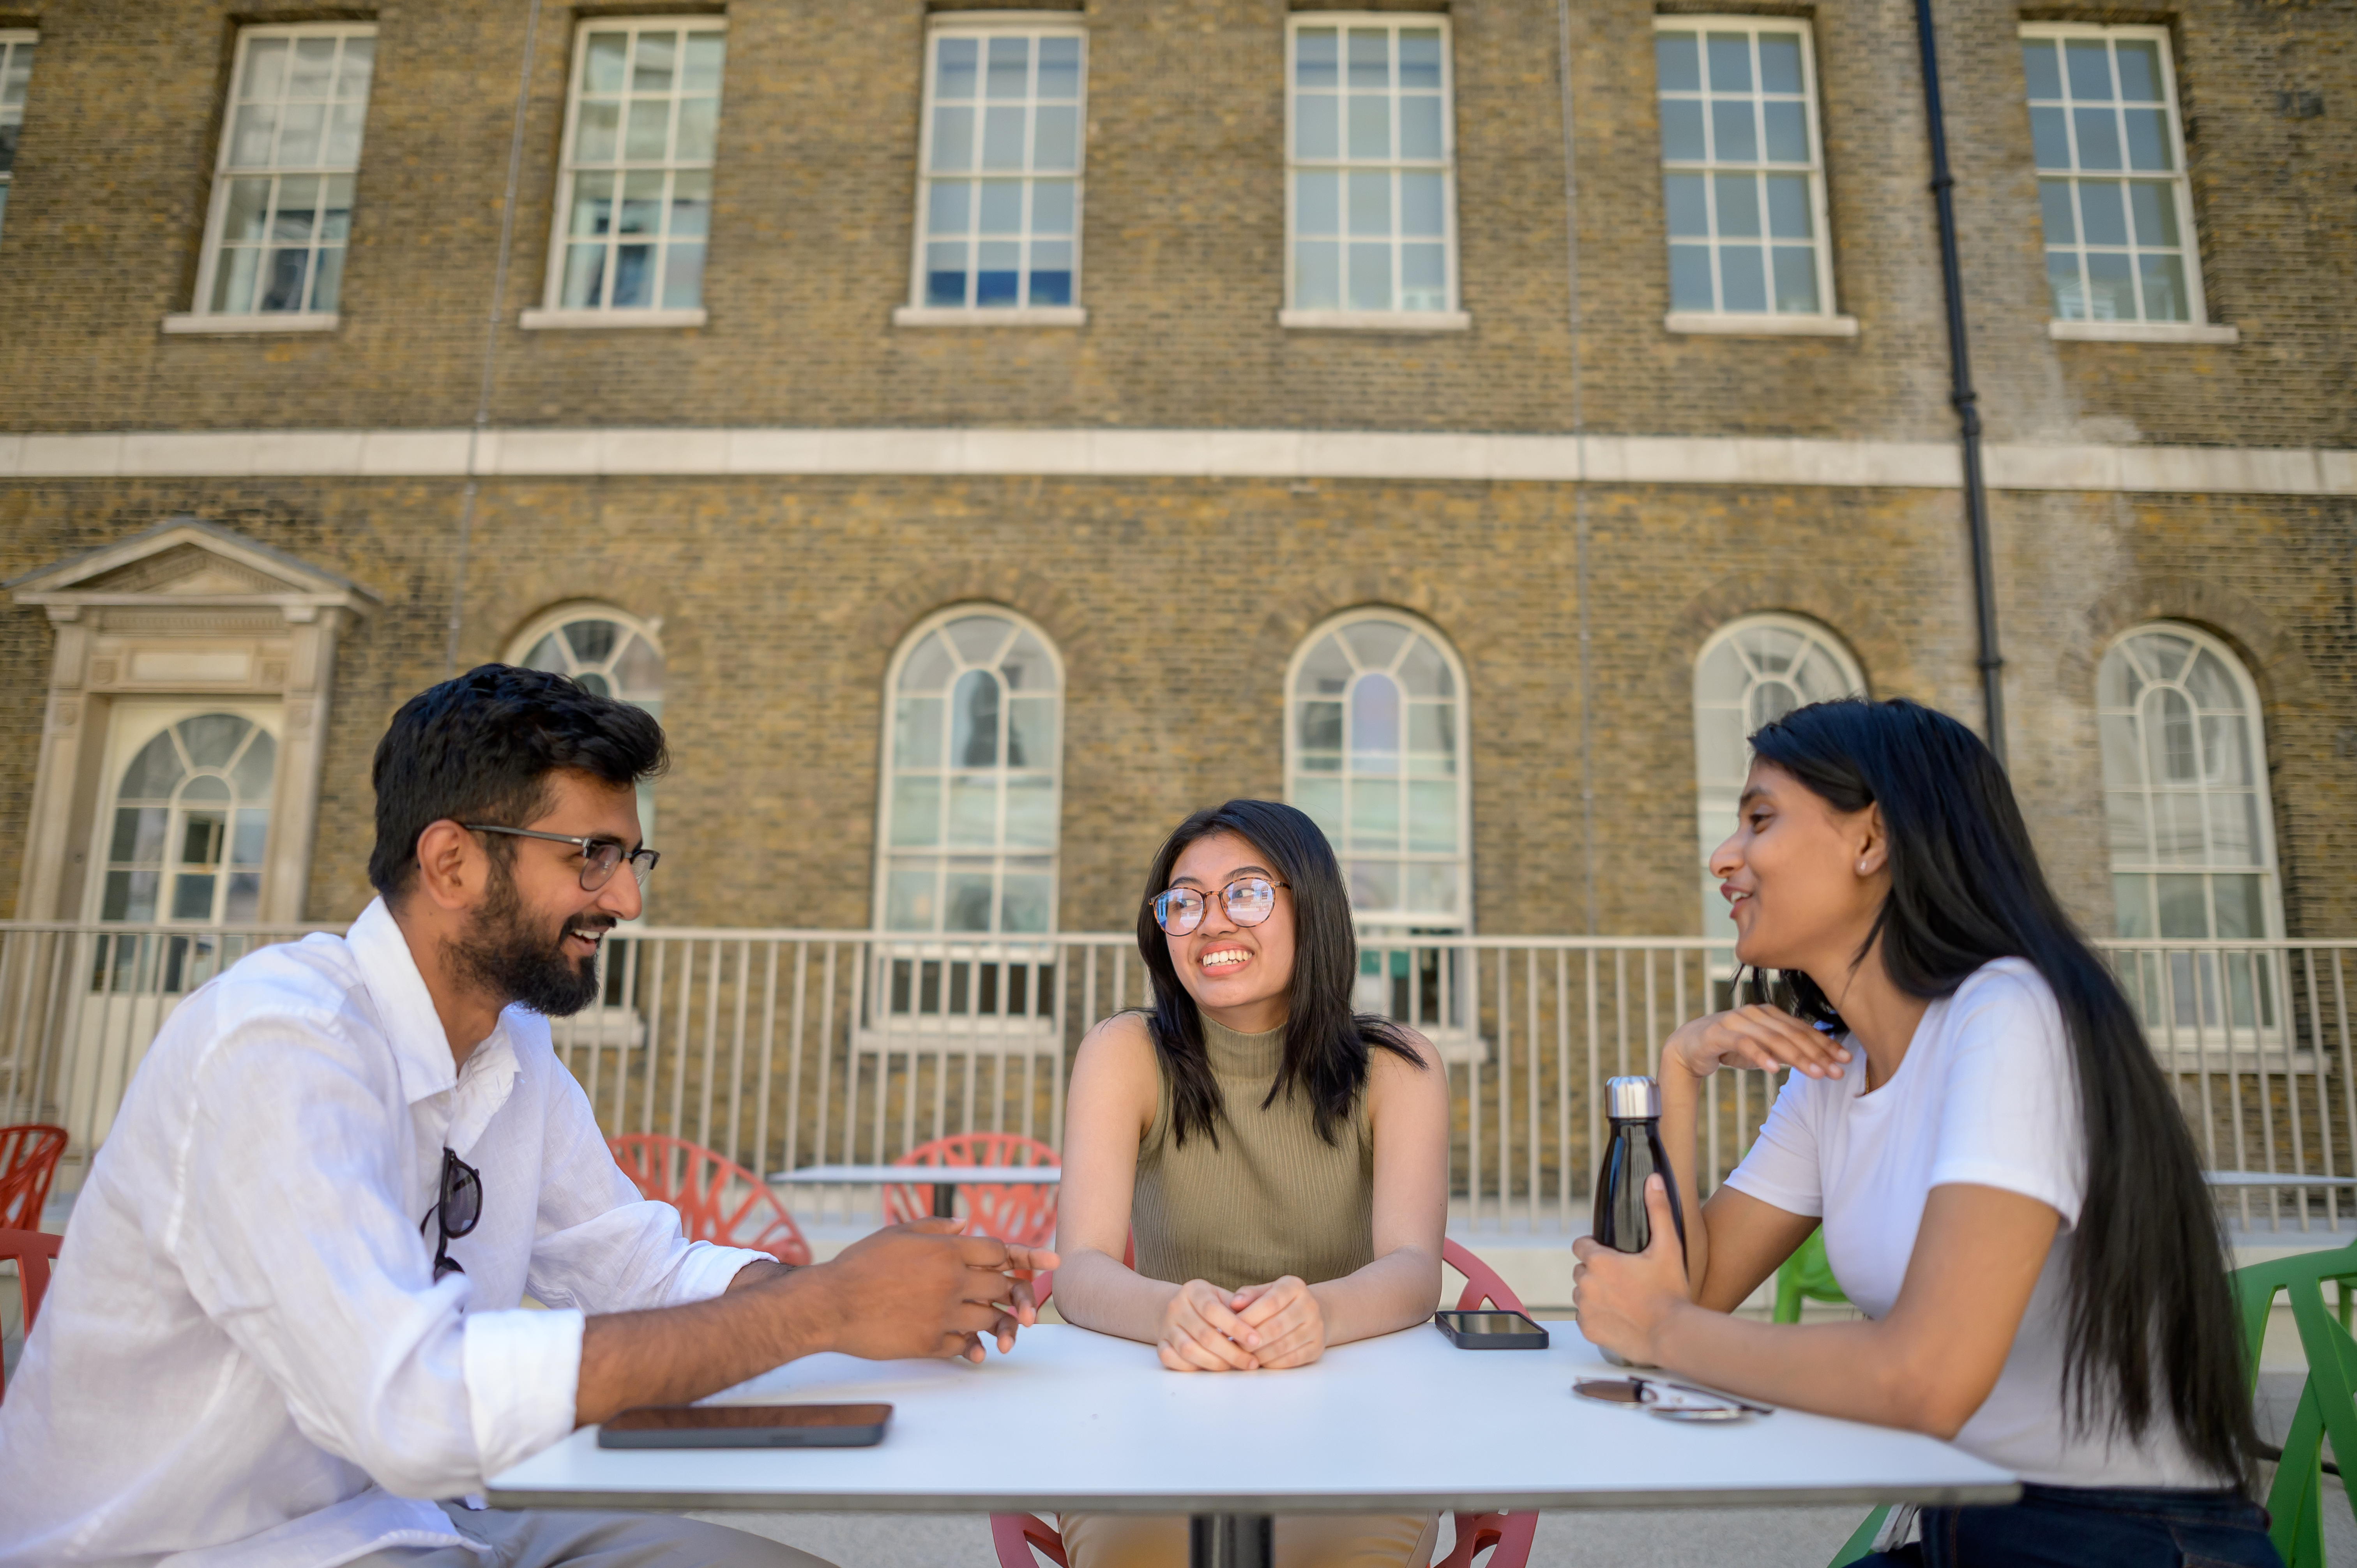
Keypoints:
pixel 747 1426
pixel 1491 1330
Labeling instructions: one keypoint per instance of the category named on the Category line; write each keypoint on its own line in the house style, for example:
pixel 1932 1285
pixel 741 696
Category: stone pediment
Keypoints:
pixel 186 561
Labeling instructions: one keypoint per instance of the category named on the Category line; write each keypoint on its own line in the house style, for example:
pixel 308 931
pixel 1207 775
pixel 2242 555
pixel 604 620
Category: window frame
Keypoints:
pixel 1819 635
pixel 132 727
pixel 201 316
pixel 984 24
pixel 11 40
pixel 1827 319
pixel 1452 317
pixel 967 942
pixel 2267 867
pixel 552 311
pixel 2197 326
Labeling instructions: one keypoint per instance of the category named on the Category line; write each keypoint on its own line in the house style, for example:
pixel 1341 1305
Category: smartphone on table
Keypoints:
pixel 747 1426
pixel 1491 1330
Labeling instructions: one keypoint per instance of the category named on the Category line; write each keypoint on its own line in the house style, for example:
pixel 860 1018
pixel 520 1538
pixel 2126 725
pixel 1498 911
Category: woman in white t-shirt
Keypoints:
pixel 2007 1189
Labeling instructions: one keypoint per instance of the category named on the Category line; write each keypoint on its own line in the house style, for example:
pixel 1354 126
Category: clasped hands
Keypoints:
pixel 1207 1329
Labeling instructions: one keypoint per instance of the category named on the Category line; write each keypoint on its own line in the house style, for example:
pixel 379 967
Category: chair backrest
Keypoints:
pixel 1482 1281
pixel 1806 1275
pixel 34 1251
pixel 2327 1411
pixel 1021 1213
pixel 29 1162
pixel 718 1199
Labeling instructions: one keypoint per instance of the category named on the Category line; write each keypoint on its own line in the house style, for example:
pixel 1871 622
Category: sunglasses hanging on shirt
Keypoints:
pixel 456 1212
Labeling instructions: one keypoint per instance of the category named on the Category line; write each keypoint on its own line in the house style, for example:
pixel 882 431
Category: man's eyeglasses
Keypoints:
pixel 457 1209
pixel 599 856
pixel 1249 900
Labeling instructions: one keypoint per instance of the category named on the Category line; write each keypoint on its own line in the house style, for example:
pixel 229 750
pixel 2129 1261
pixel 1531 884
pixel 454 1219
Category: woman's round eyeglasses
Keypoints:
pixel 599 857
pixel 1249 900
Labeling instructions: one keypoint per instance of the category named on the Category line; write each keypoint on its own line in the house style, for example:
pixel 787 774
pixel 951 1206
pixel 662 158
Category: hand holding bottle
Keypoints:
pixel 1623 1298
pixel 1757 1036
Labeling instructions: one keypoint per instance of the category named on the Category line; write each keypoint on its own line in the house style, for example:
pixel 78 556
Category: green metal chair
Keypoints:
pixel 2327 1411
pixel 1806 1276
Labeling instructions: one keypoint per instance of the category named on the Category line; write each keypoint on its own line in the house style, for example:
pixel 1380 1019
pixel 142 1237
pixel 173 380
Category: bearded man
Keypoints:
pixel 288 1329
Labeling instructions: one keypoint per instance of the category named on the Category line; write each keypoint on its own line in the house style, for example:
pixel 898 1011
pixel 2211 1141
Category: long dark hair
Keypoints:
pixel 1326 1044
pixel 2147 1301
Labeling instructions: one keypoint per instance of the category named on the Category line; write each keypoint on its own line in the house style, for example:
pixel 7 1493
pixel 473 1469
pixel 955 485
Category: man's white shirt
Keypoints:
pixel 244 1356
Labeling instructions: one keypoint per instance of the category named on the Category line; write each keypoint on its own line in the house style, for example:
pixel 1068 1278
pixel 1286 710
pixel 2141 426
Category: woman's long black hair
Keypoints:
pixel 1326 1044
pixel 2150 1317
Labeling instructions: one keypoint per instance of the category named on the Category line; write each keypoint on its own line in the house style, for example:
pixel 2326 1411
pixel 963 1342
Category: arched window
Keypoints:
pixel 972 761
pixel 2185 790
pixel 1751 671
pixel 1375 754
pixel 191 821
pixel 609 652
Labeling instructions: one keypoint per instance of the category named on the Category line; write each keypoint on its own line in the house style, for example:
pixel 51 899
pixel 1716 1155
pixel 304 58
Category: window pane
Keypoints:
pixel 2090 66
pixel 2101 209
pixel 1002 137
pixel 2099 138
pixel 1370 126
pixel 1053 207
pixel 1690 277
pixel 952 140
pixel 1031 814
pixel 1002 207
pixel 1059 68
pixel 682 278
pixel 2111 291
pixel 1420 128
pixel 1682 138
pixel 648 136
pixel 2070 296
pixel 634 275
pixel 2139 64
pixel 1677 62
pixel 1730 62
pixel 2055 211
pixel 1421 206
pixel 1316 204
pixel 1796 279
pixel 1317 275
pixel 1011 67
pixel 1371 278
pixel 1734 137
pixel 945 274
pixel 954 62
pixel 2155 209
pixel 1056 143
pixel 691 205
pixel 1432 817
pixel 1314 134
pixel 1370 204
pixel 908 899
pixel 2049 138
pixel 1787 133
pixel 585 269
pixel 327 280
pixel 1375 814
pixel 657 56
pixel 2041 67
pixel 700 66
pixel 947 209
pixel 1685 201
pixel 1419 57
pixel 596 131
pixel 1739 205
pixel 2164 288
pixel 2148 131
pixel 1788 207
pixel 1743 279
pixel 1424 277
pixel 1371 54
pixel 1315 57
pixel 698 122
pixel 1780 62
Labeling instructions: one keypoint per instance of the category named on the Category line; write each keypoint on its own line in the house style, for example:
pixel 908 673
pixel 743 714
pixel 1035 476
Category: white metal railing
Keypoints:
pixel 787 1049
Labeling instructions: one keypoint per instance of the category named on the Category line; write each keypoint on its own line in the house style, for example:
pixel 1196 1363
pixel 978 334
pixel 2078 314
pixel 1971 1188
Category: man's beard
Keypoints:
pixel 502 952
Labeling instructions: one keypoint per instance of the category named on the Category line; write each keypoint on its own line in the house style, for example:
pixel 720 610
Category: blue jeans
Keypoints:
pixel 2066 1527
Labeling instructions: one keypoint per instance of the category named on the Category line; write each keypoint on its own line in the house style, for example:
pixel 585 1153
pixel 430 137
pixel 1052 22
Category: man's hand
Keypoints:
pixel 925 1289
pixel 1624 1298
pixel 914 1290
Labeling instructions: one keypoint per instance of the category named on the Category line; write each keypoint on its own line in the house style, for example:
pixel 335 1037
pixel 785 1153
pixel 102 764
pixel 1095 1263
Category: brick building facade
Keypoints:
pixel 1568 479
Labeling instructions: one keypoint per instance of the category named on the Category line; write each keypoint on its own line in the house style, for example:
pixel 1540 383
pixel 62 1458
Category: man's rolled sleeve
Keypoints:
pixel 523 1370
pixel 707 1270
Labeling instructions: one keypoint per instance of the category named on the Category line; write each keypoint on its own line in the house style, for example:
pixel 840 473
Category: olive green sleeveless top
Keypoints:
pixel 1272 1199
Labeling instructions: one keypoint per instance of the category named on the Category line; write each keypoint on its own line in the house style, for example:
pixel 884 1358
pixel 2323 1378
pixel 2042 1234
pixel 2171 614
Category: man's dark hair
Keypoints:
pixel 479 748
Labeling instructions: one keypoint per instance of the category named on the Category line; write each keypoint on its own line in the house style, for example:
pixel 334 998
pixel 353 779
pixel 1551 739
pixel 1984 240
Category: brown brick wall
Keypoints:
pixel 1184 235
pixel 782 601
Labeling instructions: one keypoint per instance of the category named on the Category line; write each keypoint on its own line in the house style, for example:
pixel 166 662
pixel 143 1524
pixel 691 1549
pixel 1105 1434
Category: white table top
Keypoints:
pixel 1078 1420
pixel 926 1176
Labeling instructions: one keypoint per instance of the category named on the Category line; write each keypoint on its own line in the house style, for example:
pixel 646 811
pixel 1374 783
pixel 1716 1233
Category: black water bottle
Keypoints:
pixel 1633 1153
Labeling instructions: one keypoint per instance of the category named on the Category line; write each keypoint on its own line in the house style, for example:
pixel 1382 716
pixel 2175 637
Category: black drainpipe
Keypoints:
pixel 1960 391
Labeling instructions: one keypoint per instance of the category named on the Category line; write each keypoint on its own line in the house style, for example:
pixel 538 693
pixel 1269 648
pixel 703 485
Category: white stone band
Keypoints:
pixel 1147 453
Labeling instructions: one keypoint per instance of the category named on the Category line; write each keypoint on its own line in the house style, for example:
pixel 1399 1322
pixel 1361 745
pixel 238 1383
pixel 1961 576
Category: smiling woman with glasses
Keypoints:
pixel 1281 1160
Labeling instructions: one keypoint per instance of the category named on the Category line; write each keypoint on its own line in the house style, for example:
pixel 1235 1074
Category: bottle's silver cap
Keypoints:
pixel 1627 1097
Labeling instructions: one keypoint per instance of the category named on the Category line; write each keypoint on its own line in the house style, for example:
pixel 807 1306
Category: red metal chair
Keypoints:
pixel 1016 1535
pixel 28 1163
pixel 34 1253
pixel 718 1199
pixel 1023 1214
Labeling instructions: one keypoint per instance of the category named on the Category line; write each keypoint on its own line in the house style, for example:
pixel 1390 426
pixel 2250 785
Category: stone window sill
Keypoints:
pixel 2140 332
pixel 1375 320
pixel 595 320
pixel 200 326
pixel 1010 315
pixel 1711 324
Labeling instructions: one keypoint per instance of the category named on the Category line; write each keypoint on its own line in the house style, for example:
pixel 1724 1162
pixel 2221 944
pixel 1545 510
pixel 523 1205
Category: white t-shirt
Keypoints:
pixel 1987 1095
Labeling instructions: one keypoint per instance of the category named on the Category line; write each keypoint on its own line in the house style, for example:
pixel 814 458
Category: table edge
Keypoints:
pixel 668 1501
